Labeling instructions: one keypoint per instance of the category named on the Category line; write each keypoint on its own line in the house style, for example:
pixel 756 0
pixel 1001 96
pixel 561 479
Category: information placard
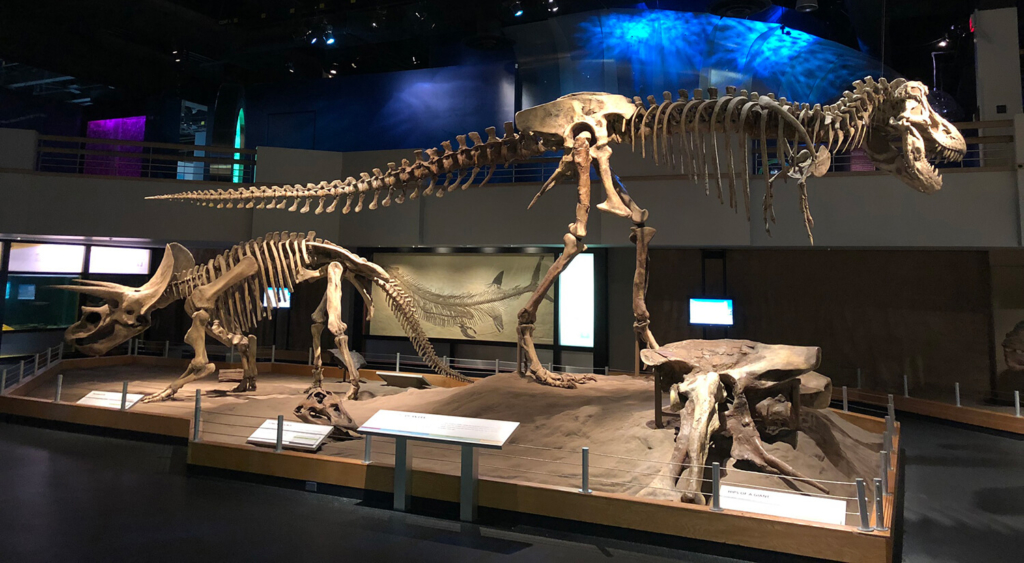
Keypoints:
pixel 296 436
pixel 440 428
pixel 787 505
pixel 109 399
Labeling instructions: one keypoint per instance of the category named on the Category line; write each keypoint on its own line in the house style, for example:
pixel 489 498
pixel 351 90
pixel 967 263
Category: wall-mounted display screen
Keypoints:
pixel 113 260
pixel 711 312
pixel 281 296
pixel 576 303
pixel 26 292
pixel 47 258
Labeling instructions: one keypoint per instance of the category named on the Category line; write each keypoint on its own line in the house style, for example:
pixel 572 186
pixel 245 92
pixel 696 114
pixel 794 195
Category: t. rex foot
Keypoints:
pixel 159 396
pixel 563 380
pixel 247 384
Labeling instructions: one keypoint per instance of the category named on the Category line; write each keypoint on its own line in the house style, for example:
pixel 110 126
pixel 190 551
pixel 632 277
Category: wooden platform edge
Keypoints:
pixel 936 409
pixel 73 413
pixel 837 543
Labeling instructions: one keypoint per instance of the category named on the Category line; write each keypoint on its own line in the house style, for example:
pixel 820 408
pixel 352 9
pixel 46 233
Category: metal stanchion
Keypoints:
pixel 60 382
pixel 862 503
pixel 1016 403
pixel 167 348
pixel 586 471
pixel 60 352
pixel 956 389
pixel 367 449
pixel 273 352
pixel 279 446
pixel 716 487
pixel 3 381
pixel 444 361
pixel 892 415
pixel 195 418
pixel 124 395
pixel 906 386
pixel 35 368
pixel 21 371
pixel 879 510
pixel 48 357
pixel 497 366
pixel 883 457
pixel 846 401
pixel 398 361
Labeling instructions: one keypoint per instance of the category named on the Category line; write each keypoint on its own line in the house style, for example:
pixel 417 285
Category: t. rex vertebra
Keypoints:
pixel 892 121
pixel 224 298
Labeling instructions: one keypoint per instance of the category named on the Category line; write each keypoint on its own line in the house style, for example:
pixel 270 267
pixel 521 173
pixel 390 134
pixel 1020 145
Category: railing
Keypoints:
pixel 137 159
pixel 14 373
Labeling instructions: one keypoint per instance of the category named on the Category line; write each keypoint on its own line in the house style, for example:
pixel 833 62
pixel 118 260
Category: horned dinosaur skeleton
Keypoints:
pixel 224 298
pixel 891 121
pixel 466 309
pixel 736 388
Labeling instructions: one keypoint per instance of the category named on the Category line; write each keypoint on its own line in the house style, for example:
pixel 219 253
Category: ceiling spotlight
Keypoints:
pixel 290 67
pixel 414 61
pixel 354 65
pixel 806 5
pixel 329 35
pixel 333 72
pixel 944 41
pixel 517 9
pixel 552 6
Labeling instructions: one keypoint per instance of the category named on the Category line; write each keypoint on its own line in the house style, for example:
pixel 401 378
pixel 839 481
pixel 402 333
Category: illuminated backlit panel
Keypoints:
pixel 711 312
pixel 47 258
pixel 576 303
pixel 112 260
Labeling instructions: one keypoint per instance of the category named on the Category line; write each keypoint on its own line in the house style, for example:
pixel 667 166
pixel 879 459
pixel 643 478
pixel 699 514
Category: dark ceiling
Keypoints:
pixel 187 48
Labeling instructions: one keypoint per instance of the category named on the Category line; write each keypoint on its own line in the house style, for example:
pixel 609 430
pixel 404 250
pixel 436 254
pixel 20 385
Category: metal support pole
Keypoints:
pixel 48 350
pixel 3 381
pixel 892 414
pixel 60 352
pixel 167 348
pixel 35 369
pixel 444 361
pixel 398 361
pixel 1016 403
pixel 862 502
pixel 21 371
pixel 551 366
pixel 497 366
pixel 469 484
pixel 883 458
pixel 195 418
pixel 716 487
pixel 279 444
pixel 860 380
pixel 879 510
pixel 846 401
pixel 956 389
pixel 367 449
pixel 60 382
pixel 310 356
pixel 403 474
pixel 124 396
pixel 586 472
pixel 906 386
pixel 273 352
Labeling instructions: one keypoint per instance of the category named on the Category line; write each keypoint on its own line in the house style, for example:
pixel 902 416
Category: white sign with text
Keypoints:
pixel 787 505
pixel 440 428
pixel 296 435
pixel 109 399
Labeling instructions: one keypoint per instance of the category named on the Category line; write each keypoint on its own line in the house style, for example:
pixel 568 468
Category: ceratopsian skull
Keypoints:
pixel 325 408
pixel 923 135
pixel 125 311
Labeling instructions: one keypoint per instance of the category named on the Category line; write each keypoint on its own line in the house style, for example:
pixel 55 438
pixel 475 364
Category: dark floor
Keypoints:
pixel 74 497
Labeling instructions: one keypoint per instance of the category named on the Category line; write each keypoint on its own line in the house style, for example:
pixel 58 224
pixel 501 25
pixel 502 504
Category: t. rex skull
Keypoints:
pixel 922 133
pixel 125 311
pixel 325 408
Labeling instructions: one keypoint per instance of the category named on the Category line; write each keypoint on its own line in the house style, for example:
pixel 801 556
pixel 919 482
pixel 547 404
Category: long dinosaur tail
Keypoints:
pixel 402 305
pixel 456 168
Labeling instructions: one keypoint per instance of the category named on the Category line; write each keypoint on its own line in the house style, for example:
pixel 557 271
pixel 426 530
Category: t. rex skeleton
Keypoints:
pixel 224 298
pixel 891 121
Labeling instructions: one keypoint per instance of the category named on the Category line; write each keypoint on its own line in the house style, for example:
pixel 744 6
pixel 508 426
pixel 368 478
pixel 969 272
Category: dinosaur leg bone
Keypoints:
pixel 199 367
pixel 247 349
pixel 335 275
pixel 703 391
pixel 573 245
pixel 319 317
pixel 642 236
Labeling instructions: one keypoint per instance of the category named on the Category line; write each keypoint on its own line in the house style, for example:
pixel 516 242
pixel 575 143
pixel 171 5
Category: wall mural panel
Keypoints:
pixel 467 296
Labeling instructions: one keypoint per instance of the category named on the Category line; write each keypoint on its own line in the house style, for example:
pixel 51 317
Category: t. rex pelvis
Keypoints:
pixel 229 295
pixel 891 121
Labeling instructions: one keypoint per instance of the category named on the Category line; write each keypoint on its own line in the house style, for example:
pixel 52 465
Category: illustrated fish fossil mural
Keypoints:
pixel 464 310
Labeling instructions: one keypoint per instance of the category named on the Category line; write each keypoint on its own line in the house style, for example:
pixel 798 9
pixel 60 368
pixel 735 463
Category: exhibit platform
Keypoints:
pixel 537 473
pixel 1000 418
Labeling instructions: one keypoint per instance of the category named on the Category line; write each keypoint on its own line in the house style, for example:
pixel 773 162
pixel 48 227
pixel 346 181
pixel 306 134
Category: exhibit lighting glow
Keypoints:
pixel 711 312
pixel 114 260
pixel 329 35
pixel 806 5
pixel 517 9
pixel 47 258
pixel 236 172
pixel 576 303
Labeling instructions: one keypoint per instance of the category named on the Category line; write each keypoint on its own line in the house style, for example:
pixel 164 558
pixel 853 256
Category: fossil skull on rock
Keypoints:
pixel 325 408
pixel 737 388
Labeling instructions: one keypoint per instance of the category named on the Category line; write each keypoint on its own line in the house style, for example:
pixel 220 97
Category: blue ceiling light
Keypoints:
pixel 517 9
pixel 329 35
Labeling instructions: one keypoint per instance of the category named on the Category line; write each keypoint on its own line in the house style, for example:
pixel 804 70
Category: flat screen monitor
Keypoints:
pixel 711 312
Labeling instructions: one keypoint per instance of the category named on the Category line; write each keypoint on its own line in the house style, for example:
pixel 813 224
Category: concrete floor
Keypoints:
pixel 75 497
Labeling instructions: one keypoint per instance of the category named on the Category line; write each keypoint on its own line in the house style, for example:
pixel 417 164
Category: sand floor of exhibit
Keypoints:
pixel 612 417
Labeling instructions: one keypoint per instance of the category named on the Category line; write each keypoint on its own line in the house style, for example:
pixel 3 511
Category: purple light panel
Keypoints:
pixel 122 129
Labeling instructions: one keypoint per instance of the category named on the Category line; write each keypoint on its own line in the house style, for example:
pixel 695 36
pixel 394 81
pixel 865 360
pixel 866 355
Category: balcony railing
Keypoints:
pixel 137 159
